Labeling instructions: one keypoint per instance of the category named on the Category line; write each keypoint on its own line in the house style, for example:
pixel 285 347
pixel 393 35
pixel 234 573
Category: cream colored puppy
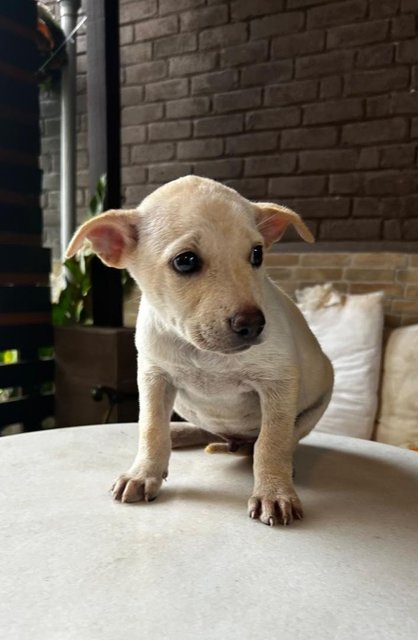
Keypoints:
pixel 217 340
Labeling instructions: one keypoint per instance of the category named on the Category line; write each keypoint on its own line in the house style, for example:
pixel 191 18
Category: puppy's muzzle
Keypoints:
pixel 248 324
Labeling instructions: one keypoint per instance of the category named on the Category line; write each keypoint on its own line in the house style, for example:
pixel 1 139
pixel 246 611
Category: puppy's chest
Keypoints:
pixel 208 382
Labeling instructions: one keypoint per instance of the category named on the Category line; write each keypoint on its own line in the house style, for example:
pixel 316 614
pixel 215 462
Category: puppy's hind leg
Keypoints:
pixel 185 434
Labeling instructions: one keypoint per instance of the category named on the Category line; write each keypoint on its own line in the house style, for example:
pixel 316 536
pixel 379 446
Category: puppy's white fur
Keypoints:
pixel 269 390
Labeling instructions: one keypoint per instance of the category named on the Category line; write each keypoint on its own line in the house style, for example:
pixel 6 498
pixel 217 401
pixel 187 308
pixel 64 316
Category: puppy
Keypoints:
pixel 217 340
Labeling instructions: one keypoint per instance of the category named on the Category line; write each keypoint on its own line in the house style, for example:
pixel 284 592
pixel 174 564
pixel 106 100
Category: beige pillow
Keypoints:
pixel 349 329
pixel 398 419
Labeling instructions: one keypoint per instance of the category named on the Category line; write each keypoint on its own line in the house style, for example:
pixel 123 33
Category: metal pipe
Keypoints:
pixel 68 12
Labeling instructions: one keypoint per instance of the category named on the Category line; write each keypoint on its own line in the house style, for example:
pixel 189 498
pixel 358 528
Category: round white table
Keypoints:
pixel 74 564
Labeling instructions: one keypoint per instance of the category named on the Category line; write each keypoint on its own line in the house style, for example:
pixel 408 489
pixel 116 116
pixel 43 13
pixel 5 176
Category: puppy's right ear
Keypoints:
pixel 113 236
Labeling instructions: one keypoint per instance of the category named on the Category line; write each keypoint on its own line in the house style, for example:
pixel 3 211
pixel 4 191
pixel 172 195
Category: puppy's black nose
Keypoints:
pixel 248 323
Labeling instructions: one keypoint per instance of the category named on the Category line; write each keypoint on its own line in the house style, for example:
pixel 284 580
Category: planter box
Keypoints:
pixel 87 357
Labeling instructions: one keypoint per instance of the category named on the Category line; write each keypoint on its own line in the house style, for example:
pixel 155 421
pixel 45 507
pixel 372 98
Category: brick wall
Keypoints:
pixel 396 274
pixel 50 144
pixel 353 272
pixel 308 102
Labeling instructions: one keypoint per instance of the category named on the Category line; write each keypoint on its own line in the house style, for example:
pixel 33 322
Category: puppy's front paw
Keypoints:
pixel 137 486
pixel 280 507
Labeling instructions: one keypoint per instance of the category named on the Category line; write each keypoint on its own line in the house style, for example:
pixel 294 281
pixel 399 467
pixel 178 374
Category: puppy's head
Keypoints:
pixel 196 248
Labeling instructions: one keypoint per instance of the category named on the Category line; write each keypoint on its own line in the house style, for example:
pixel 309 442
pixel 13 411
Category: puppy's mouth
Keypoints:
pixel 226 349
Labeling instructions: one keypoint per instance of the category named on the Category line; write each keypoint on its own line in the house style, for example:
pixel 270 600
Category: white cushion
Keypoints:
pixel 398 419
pixel 349 329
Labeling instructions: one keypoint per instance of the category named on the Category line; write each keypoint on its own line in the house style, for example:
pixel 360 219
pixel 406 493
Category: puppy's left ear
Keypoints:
pixel 273 220
pixel 113 236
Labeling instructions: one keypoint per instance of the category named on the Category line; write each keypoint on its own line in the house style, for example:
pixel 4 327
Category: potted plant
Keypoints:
pixel 95 377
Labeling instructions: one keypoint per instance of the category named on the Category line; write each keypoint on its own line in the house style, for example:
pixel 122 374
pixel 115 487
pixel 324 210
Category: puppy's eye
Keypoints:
pixel 256 256
pixel 187 262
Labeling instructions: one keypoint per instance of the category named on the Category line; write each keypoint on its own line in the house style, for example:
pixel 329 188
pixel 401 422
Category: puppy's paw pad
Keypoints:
pixel 272 510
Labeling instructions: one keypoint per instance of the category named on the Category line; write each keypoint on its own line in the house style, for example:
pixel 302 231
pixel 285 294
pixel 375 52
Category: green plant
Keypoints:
pixel 74 305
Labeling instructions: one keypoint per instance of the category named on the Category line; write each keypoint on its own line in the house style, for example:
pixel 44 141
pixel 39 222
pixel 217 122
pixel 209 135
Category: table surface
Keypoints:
pixel 76 565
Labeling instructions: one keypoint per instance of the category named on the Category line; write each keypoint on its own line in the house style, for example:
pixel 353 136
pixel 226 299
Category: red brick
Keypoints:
pixel 377 81
pixel 334 160
pixel 242 54
pixel 198 19
pixel 336 13
pixel 392 230
pixel 156 152
pixel 344 183
pixel 373 131
pixel 157 28
pixel 266 73
pixel 392 207
pixel 315 137
pixel 169 6
pixel 333 111
pixel 237 100
pixel 187 107
pixel 349 229
pixel 215 38
pixel 325 207
pixel 249 187
pixel 291 93
pixel 368 158
pixel 244 9
pixel 282 164
pixel 410 206
pixel 407 51
pixel 380 55
pixel 331 87
pixel 366 207
pixel 175 45
pixel 324 64
pixel 298 186
pixel 299 4
pixel 280 24
pixel 195 149
pixel 219 125
pixel 378 106
pixel 251 143
pixel 353 35
pixel 135 11
pixel 298 44
pixel 169 130
pixel 219 169
pixel 133 135
pixel 126 34
pixel 409 5
pixel 192 63
pixel 146 72
pixel 383 8
pixel 273 118
pixel 161 173
pixel 390 183
pixel 410 229
pixel 167 90
pixel 134 53
pixel 215 82
pixel 133 175
pixel 131 96
pixel 403 27
pixel 142 113
pixel 399 156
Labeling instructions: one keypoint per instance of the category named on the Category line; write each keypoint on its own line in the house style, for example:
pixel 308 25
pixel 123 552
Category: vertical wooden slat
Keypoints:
pixel 25 321
pixel 103 86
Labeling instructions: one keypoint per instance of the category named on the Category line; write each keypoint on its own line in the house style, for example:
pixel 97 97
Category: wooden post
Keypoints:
pixel 103 91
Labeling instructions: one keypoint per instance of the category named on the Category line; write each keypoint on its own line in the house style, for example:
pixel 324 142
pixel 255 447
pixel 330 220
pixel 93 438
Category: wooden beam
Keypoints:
pixel 103 91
